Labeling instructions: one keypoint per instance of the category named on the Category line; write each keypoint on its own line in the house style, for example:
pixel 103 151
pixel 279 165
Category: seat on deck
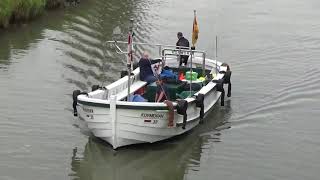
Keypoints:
pixel 133 88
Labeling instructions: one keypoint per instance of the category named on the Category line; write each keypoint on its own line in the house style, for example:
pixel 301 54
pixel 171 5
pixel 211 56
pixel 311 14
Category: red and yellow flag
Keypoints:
pixel 195 30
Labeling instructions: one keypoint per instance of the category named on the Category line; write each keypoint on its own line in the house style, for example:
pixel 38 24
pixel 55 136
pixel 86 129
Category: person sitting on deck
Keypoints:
pixel 182 41
pixel 162 93
pixel 146 73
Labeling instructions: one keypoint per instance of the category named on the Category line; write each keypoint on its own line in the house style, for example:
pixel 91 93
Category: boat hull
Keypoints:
pixel 124 123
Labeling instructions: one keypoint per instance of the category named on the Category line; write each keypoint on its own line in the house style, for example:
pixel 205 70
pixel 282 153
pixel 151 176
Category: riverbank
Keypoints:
pixel 14 11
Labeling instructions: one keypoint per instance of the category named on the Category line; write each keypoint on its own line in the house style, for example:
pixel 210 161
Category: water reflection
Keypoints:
pixel 170 159
pixel 11 43
pixel 88 59
pixel 18 38
pixel 101 162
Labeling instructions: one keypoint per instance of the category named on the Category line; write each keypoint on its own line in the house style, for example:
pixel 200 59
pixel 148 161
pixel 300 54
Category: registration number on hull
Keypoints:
pixel 149 121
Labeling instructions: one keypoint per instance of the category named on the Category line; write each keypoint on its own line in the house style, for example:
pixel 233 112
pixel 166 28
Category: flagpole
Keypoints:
pixel 193 42
pixel 190 74
pixel 129 56
pixel 192 48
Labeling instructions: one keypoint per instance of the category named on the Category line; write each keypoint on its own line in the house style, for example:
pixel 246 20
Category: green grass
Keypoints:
pixel 21 10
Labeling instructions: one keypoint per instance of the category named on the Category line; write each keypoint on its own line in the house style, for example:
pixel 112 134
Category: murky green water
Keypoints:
pixel 269 129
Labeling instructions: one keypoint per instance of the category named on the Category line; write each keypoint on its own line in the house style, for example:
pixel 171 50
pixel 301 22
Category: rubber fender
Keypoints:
pixel 84 92
pixel 199 103
pixel 199 100
pixel 220 89
pixel 182 106
pixel 182 109
pixel 124 73
pixel 227 80
pixel 95 87
pixel 227 77
pixel 219 84
pixel 135 65
pixel 74 104
pixel 226 65
pixel 75 94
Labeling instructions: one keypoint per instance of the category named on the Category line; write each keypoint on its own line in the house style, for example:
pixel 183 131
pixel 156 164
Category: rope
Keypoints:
pixel 158 80
pixel 170 113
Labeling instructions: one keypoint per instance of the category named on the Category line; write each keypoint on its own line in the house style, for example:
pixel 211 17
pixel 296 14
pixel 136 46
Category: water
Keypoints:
pixel 269 129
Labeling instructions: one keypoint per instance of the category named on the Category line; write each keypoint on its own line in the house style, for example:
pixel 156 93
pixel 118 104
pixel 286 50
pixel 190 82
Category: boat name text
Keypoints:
pixel 87 110
pixel 154 116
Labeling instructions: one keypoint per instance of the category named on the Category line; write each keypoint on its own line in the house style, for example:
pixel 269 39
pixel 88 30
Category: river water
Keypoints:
pixel 269 128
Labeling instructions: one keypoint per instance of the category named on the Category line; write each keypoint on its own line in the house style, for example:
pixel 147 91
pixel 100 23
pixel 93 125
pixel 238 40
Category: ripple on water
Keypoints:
pixel 85 36
pixel 291 96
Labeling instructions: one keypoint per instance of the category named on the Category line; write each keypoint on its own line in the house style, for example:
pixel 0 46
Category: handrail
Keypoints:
pixel 141 43
pixel 186 52
pixel 162 48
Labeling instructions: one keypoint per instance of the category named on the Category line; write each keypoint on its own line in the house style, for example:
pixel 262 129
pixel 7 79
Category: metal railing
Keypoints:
pixel 160 46
pixel 165 50
pixel 189 52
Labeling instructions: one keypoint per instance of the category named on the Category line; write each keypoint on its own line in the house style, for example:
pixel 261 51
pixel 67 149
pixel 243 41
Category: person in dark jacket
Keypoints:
pixel 146 73
pixel 182 41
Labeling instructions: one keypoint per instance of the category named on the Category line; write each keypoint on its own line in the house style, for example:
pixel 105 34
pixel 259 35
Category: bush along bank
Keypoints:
pixel 13 11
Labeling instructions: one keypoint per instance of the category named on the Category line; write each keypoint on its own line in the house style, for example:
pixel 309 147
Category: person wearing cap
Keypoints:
pixel 183 42
pixel 146 73
pixel 162 92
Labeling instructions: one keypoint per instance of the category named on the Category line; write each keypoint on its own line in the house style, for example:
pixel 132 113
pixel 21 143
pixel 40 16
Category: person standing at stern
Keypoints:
pixel 182 43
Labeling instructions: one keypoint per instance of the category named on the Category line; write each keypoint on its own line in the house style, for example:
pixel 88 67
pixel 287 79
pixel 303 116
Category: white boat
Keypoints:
pixel 110 115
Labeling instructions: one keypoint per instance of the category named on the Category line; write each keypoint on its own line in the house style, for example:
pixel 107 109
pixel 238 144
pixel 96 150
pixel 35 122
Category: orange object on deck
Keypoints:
pixel 181 76
pixel 141 91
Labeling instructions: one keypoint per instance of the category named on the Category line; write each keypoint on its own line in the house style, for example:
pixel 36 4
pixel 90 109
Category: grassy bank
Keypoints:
pixel 12 11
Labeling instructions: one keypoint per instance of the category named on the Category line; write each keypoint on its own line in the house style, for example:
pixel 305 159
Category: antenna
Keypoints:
pixel 216 55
